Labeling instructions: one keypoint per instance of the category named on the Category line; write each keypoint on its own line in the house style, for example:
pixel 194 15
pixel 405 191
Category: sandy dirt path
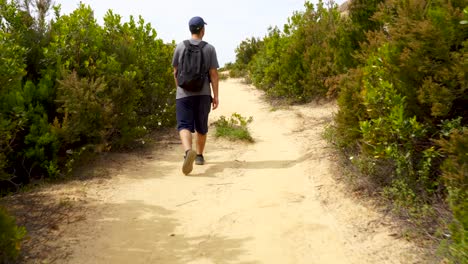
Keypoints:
pixel 274 201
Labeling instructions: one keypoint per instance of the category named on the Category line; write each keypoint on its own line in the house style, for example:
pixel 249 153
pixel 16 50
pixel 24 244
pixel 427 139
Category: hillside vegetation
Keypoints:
pixel 70 87
pixel 398 71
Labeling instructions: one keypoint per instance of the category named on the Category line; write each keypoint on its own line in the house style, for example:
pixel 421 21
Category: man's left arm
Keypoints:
pixel 215 86
pixel 214 78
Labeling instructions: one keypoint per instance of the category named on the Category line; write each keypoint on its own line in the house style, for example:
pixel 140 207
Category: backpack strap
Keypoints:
pixel 181 66
pixel 202 44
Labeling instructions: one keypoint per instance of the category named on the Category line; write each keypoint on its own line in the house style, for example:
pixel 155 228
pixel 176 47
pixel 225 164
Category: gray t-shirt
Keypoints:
pixel 210 59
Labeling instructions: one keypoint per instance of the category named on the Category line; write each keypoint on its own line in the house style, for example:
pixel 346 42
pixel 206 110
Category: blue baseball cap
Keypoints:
pixel 196 23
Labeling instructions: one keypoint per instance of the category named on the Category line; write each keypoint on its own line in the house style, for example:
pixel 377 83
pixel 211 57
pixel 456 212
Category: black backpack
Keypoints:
pixel 191 73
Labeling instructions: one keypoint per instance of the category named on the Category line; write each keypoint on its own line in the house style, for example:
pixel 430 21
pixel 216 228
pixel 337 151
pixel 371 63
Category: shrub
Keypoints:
pixel 10 237
pixel 73 84
pixel 299 62
pixel 245 52
pixel 394 107
pixel 223 76
pixel 87 110
pixel 455 172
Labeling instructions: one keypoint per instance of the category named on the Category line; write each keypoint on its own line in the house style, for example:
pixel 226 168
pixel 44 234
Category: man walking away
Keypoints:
pixel 195 68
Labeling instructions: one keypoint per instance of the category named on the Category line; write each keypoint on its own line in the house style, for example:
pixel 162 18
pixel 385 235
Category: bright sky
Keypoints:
pixel 229 22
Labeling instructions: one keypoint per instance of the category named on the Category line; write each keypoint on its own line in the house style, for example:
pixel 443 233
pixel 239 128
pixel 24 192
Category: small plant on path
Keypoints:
pixel 234 128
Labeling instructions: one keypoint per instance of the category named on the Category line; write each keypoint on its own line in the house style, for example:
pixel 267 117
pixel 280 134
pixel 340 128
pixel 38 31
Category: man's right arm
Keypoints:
pixel 175 76
pixel 175 63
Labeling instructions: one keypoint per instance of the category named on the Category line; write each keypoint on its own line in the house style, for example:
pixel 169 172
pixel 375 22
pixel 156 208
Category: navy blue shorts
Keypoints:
pixel 192 113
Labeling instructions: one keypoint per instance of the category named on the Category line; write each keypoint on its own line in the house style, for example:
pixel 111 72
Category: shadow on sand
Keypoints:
pixel 214 168
pixel 132 232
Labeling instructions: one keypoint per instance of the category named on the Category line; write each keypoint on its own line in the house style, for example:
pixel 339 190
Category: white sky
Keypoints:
pixel 229 22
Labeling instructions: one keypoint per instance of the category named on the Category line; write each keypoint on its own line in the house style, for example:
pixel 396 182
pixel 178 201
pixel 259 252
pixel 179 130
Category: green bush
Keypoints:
pixel 298 63
pixel 455 174
pixel 245 52
pixel 12 71
pixel 10 237
pixel 394 106
pixel 223 76
pixel 71 84
pixel 233 128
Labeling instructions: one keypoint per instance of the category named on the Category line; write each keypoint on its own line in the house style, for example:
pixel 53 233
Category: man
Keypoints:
pixel 193 107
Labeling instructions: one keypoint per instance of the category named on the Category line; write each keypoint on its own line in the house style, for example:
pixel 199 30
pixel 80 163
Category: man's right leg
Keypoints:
pixel 186 139
pixel 185 125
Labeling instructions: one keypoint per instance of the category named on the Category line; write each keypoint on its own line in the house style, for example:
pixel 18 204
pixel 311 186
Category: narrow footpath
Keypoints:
pixel 274 201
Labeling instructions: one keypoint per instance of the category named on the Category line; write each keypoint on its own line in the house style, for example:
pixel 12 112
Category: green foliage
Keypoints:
pixel 148 59
pixel 10 237
pixel 11 73
pixel 387 131
pixel 245 52
pixel 465 12
pixel 71 83
pixel 361 13
pixel 455 175
pixel 86 109
pixel 321 35
pixel 410 78
pixel 234 128
pixel 264 67
pixel 299 63
pixel 223 76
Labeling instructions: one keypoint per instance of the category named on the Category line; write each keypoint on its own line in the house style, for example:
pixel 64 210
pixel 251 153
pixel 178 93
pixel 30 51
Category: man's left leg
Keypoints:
pixel 201 141
pixel 201 127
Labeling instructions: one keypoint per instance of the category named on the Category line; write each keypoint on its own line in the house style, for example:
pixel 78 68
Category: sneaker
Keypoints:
pixel 200 160
pixel 190 156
